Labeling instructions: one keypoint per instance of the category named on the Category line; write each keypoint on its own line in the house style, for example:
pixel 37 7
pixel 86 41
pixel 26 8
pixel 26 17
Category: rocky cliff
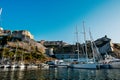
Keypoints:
pixel 106 46
pixel 116 50
pixel 31 50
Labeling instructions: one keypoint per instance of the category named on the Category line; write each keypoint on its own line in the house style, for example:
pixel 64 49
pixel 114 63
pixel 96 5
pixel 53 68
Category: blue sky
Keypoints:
pixel 57 19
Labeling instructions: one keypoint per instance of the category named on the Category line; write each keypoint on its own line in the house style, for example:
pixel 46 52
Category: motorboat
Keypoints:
pixel 32 66
pixel 22 66
pixel 15 65
pixel 1 66
pixel 7 65
pixel 110 62
pixel 43 66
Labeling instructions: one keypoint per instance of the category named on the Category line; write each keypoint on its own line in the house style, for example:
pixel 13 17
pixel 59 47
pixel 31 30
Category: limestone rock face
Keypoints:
pixel 104 44
pixel 116 47
pixel 30 46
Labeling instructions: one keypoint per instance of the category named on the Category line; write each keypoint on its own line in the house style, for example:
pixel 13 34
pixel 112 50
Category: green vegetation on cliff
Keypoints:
pixel 29 50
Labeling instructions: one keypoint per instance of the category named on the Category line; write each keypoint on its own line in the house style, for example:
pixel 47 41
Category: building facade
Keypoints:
pixel 22 34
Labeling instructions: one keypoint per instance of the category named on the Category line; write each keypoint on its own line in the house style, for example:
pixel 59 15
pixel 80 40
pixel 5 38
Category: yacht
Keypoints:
pixel 22 66
pixel 61 63
pixel 115 64
pixel 44 66
pixel 1 66
pixel 32 66
pixel 83 64
pixel 110 62
pixel 86 63
pixel 7 65
pixel 15 65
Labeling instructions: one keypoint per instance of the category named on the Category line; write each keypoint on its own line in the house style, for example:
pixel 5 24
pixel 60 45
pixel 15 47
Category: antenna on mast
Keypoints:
pixel 0 17
pixel 0 11
pixel 85 41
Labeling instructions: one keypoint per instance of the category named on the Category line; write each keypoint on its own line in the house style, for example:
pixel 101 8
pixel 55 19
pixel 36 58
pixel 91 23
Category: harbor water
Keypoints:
pixel 60 74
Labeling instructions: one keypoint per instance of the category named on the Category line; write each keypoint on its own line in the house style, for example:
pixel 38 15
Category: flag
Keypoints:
pixel 0 11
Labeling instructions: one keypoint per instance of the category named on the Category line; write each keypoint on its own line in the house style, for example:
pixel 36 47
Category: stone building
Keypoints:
pixel 22 34
pixel 53 43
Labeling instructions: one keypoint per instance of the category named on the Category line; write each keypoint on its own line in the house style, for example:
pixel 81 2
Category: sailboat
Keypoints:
pixel 110 62
pixel 15 64
pixel 1 65
pixel 83 63
pixel 31 65
pixel 5 62
pixel 22 65
pixel 113 62
pixel 2 60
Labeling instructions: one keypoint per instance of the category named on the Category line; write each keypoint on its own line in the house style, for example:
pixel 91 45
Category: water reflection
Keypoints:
pixel 59 74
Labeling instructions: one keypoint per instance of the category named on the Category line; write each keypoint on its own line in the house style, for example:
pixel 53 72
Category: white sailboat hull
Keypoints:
pixel 84 66
pixel 44 66
pixel 15 66
pixel 32 66
pixel 7 66
pixel 22 66
pixel 1 66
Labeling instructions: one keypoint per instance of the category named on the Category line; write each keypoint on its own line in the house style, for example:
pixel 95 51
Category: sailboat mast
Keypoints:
pixel 16 51
pixel 22 54
pixel 96 51
pixel 77 42
pixel 85 42
pixel 91 40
